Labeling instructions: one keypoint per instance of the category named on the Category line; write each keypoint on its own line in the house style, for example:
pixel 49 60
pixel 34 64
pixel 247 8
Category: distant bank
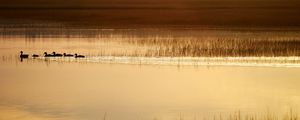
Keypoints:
pixel 159 16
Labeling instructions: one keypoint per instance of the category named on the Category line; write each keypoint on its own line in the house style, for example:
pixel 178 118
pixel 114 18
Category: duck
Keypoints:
pixel 68 55
pixel 23 55
pixel 57 54
pixel 79 56
pixel 35 55
pixel 48 55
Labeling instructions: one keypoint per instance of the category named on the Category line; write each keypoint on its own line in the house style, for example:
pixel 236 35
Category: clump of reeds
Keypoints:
pixel 218 46
pixel 201 43
pixel 178 43
pixel 238 115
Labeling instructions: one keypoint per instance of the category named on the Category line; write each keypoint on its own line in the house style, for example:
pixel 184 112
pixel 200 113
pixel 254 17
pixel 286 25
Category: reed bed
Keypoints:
pixel 238 115
pixel 219 46
pixel 176 42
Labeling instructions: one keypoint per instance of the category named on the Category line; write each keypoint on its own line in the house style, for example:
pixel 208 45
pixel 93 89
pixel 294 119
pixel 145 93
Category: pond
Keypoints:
pixel 92 88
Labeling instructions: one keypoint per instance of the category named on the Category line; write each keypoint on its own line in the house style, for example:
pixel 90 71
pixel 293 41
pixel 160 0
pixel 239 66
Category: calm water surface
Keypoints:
pixel 41 89
pixel 81 91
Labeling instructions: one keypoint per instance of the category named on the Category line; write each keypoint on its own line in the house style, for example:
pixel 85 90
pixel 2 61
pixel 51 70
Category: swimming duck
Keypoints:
pixel 79 56
pixel 35 55
pixel 68 55
pixel 57 54
pixel 23 55
pixel 48 55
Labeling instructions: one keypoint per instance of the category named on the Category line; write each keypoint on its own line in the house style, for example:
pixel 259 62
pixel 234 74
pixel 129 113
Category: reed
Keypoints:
pixel 217 46
pixel 238 115
pixel 177 42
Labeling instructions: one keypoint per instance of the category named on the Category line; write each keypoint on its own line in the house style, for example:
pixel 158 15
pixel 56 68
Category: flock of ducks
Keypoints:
pixel 51 55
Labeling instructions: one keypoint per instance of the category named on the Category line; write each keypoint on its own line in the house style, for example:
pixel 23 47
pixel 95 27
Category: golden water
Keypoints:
pixel 77 89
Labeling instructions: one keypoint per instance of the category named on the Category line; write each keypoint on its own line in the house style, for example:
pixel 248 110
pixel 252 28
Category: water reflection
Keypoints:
pixel 174 61
pixel 89 90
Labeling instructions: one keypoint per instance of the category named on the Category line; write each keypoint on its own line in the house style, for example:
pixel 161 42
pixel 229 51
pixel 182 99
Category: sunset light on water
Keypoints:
pixel 149 60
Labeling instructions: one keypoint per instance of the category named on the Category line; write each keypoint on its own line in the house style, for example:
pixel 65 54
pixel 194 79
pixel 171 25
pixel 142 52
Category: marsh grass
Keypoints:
pixel 176 42
pixel 203 43
pixel 238 115
pixel 216 46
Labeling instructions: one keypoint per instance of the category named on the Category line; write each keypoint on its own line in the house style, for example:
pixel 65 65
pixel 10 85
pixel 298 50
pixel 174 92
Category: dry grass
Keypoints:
pixel 179 43
pixel 218 46
pixel 238 115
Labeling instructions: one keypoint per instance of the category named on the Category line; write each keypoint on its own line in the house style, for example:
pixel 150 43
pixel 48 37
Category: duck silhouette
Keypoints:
pixel 68 55
pixel 23 55
pixel 48 55
pixel 57 54
pixel 79 56
pixel 35 55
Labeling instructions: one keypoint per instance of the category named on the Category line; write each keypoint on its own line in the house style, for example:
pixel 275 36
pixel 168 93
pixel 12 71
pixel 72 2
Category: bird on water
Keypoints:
pixel 57 54
pixel 48 55
pixel 79 56
pixel 35 55
pixel 68 55
pixel 23 55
